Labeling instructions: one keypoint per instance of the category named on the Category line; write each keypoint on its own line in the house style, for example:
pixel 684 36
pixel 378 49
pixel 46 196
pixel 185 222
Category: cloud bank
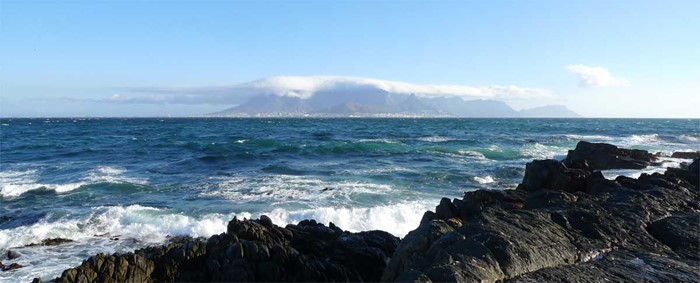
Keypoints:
pixel 595 76
pixel 306 86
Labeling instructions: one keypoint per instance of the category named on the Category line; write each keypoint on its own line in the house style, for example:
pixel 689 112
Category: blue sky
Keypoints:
pixel 599 58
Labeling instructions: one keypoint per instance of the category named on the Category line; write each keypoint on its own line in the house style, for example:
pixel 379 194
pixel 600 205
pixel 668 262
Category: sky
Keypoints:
pixel 599 58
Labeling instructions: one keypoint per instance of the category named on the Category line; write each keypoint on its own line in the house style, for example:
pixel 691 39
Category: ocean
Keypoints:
pixel 114 185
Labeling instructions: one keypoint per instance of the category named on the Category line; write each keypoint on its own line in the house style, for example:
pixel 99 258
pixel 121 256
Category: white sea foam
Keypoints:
pixel 666 162
pixel 379 170
pixel 398 218
pixel 131 227
pixel 379 140
pixel 640 139
pixel 286 188
pixel 590 137
pixel 125 228
pixel 107 174
pixel 692 138
pixel 625 141
pixel 541 151
pixel 484 180
pixel 435 139
pixel 16 183
pixel 140 223
pixel 471 153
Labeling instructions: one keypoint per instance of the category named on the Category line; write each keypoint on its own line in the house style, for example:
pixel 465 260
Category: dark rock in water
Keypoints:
pixel 37 280
pixel 51 242
pixel 561 224
pixel 12 266
pixel 602 156
pixel 12 255
pixel 553 175
pixel 688 172
pixel 686 154
pixel 250 250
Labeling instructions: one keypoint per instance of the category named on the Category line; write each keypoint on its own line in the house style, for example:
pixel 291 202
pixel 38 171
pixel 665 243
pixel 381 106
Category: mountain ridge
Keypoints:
pixel 331 96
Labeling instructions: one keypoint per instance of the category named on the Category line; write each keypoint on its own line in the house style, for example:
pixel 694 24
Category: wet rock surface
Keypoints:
pixel 602 156
pixel 686 154
pixel 250 250
pixel 9 267
pixel 564 223
pixel 51 242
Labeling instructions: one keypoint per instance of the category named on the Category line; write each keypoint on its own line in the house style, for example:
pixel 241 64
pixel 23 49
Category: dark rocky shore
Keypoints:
pixel 564 222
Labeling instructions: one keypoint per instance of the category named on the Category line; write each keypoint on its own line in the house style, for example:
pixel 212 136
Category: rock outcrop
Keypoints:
pixel 250 250
pixel 686 154
pixel 602 156
pixel 564 223
pixel 9 266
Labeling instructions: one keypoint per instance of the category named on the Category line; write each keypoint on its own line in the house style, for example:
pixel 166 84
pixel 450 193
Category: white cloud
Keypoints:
pixel 306 86
pixel 595 76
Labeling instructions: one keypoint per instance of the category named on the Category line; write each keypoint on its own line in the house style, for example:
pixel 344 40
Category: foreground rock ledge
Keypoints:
pixel 250 250
pixel 565 222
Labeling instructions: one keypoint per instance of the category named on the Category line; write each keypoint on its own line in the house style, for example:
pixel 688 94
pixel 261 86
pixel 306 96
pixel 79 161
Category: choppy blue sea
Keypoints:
pixel 119 184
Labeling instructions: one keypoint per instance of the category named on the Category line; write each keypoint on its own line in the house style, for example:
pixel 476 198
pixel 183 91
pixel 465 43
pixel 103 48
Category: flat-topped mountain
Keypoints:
pixel 346 96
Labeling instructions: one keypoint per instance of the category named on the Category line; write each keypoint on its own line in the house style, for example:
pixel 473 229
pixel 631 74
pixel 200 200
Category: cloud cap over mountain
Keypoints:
pixel 305 87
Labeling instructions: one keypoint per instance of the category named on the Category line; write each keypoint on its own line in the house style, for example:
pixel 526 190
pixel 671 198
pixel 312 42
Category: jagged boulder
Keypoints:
pixel 687 172
pixel 250 250
pixel 603 156
pixel 553 175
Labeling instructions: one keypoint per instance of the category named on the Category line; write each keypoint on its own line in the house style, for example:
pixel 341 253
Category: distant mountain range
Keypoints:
pixel 349 97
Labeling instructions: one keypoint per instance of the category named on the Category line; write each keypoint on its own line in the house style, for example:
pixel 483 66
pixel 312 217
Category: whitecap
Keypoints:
pixel 397 218
pixel 692 138
pixel 109 174
pixel 665 163
pixel 589 137
pixel 379 140
pixel 484 180
pixel 15 183
pixel 435 139
pixel 111 229
pixel 640 139
pixel 472 153
pixel 541 151
pixel 380 170
pixel 106 229
pixel 288 188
